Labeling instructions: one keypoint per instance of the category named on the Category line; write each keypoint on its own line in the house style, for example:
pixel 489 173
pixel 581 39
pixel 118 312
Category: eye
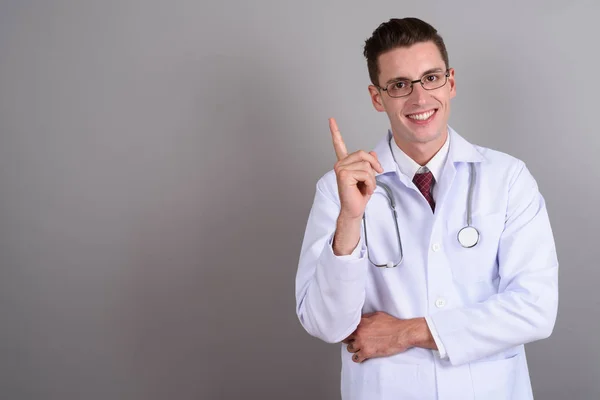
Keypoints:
pixel 399 85
pixel 431 77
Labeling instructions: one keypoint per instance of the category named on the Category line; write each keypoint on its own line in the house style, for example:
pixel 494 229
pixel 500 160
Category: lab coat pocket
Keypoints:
pixel 494 380
pixel 378 378
pixel 478 263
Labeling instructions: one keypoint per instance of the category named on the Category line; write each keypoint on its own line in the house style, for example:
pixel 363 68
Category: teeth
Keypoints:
pixel 422 117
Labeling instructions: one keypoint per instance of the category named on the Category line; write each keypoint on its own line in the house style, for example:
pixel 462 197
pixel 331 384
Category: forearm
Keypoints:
pixel 347 235
pixel 335 297
pixel 330 288
pixel 505 320
pixel 331 309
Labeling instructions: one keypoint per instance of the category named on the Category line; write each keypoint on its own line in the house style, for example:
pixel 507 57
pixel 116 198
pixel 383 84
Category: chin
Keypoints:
pixel 425 135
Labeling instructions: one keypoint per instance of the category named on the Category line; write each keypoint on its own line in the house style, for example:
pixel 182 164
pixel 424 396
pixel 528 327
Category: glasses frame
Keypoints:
pixel 412 83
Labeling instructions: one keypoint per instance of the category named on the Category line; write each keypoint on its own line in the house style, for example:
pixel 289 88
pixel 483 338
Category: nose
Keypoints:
pixel 418 95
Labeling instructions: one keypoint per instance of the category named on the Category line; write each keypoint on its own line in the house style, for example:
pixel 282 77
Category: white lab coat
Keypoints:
pixel 484 303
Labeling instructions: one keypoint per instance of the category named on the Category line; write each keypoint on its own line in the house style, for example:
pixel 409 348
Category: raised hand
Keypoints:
pixel 355 174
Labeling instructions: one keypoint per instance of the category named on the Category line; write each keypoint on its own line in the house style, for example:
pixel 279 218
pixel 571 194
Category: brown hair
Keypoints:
pixel 399 33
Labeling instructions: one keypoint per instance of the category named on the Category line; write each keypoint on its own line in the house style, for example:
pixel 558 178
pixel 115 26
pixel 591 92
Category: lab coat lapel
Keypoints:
pixel 448 174
pixel 384 154
pixel 460 151
pixel 389 165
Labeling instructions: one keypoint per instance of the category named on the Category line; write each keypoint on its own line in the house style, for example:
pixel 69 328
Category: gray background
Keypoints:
pixel 158 162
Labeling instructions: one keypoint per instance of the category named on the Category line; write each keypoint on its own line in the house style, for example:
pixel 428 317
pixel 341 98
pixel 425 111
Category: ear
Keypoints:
pixel 452 82
pixel 376 98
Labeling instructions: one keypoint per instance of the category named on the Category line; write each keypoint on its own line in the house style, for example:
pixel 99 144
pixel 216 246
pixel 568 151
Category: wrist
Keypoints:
pixel 347 235
pixel 421 335
pixel 348 220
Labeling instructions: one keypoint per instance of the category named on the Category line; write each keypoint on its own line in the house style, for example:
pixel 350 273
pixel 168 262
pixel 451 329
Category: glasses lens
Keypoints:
pixel 399 88
pixel 434 81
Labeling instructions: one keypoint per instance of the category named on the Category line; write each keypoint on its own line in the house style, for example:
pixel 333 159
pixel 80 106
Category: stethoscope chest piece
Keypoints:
pixel 468 237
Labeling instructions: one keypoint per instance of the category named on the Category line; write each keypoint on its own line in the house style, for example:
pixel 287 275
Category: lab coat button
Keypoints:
pixel 436 247
pixel 440 303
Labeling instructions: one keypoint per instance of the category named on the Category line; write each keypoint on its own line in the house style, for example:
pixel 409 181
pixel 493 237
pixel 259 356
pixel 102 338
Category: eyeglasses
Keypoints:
pixel 404 87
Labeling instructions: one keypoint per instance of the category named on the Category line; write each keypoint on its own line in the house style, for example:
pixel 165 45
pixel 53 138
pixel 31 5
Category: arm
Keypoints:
pixel 524 310
pixel 330 289
pixel 330 283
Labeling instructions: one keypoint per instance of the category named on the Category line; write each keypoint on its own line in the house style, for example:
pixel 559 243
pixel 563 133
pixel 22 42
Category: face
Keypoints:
pixel 420 118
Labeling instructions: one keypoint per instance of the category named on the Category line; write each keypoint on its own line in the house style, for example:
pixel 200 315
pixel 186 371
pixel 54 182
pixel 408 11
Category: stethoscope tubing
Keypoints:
pixel 468 236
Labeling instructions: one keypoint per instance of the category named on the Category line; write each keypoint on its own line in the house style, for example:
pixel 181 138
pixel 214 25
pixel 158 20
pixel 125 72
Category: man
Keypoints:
pixel 430 310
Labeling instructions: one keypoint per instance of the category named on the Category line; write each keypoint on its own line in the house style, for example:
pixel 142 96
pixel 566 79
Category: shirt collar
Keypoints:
pixel 410 167
pixel 459 150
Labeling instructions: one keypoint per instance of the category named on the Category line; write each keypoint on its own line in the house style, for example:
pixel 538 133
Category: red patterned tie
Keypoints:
pixel 424 181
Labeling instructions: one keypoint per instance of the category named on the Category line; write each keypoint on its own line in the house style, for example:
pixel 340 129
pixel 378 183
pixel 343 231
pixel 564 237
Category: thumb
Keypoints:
pixel 379 168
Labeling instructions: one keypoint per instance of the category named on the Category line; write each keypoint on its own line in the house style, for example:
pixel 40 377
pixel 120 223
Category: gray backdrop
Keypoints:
pixel 158 160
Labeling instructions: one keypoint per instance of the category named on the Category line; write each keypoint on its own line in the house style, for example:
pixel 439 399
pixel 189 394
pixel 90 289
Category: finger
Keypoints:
pixel 370 183
pixel 350 338
pixel 357 358
pixel 361 155
pixel 351 348
pixel 359 176
pixel 360 166
pixel 338 143
pixel 380 170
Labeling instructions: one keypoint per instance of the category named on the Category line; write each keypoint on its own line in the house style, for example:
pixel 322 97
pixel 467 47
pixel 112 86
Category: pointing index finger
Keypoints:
pixel 338 142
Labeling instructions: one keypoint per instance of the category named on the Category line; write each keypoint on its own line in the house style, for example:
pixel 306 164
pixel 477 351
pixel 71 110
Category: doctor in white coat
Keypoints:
pixel 449 321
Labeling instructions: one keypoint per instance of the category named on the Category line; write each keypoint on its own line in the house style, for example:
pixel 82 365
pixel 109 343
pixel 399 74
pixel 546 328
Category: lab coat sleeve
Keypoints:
pixel 525 307
pixel 441 350
pixel 330 289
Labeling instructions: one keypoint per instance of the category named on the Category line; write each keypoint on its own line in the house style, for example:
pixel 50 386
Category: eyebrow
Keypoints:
pixel 402 78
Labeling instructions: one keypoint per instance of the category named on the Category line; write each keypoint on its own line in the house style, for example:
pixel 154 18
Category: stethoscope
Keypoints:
pixel 468 236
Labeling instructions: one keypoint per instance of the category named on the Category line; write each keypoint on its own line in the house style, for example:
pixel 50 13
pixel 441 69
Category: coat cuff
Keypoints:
pixel 441 351
pixel 347 268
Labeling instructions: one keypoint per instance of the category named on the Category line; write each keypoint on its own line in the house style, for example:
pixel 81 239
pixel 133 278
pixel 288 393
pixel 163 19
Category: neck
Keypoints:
pixel 422 152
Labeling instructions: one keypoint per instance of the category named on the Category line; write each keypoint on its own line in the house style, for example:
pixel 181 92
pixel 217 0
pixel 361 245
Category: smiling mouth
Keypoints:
pixel 422 116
